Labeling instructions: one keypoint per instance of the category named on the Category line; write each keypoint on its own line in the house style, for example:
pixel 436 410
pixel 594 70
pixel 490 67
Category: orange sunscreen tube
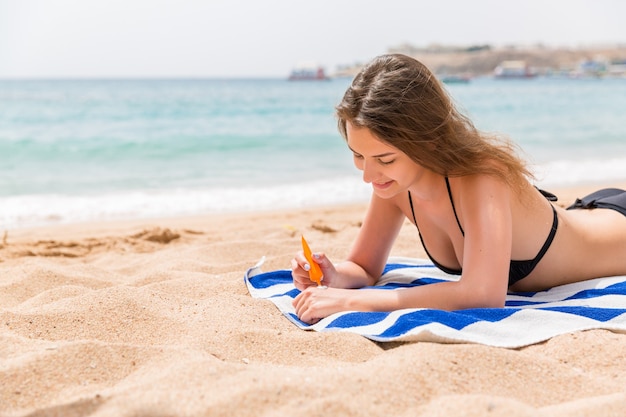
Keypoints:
pixel 315 273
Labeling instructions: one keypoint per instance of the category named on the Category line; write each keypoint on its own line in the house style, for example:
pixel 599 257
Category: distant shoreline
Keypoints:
pixel 480 60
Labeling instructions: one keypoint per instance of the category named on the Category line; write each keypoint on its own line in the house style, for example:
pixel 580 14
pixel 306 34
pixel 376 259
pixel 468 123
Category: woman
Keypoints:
pixel 468 194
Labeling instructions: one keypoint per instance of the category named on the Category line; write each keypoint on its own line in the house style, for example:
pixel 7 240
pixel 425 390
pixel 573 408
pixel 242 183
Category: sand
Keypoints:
pixel 152 318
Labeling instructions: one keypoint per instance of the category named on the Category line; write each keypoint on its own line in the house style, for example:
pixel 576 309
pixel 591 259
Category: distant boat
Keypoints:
pixel 308 72
pixel 513 69
pixel 455 79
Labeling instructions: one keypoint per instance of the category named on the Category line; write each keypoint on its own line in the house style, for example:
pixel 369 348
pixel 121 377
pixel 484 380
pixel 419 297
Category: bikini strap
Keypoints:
pixel 418 228
pixel 521 269
pixel 437 264
pixel 412 211
pixel 454 208
pixel 551 235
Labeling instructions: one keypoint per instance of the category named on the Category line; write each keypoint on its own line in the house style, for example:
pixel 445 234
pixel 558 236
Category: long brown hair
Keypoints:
pixel 402 103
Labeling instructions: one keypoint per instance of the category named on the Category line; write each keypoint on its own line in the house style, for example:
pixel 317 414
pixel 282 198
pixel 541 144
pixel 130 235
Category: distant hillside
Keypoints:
pixel 482 59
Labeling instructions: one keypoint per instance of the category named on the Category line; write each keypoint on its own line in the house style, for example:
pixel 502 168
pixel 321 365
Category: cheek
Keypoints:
pixel 414 172
pixel 402 172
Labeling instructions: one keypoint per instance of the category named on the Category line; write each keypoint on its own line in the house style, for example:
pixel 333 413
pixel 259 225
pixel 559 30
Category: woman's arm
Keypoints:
pixel 368 254
pixel 316 303
pixel 370 250
pixel 484 208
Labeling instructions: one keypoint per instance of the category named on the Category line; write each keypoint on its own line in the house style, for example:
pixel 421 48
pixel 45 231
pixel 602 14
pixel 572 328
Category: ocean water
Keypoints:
pixel 91 150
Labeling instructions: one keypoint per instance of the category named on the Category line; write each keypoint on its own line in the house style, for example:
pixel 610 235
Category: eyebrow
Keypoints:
pixel 382 155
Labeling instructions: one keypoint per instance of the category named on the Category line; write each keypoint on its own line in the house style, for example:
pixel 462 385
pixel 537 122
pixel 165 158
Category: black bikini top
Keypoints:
pixel 517 269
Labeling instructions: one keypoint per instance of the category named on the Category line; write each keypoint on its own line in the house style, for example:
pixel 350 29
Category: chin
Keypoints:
pixel 387 192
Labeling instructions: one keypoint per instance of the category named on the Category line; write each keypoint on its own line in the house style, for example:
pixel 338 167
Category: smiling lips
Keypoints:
pixel 381 186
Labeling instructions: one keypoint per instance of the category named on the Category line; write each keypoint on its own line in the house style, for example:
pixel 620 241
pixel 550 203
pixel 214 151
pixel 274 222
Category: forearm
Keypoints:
pixel 351 275
pixel 442 296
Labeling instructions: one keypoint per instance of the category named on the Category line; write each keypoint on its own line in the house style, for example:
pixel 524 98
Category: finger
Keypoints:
pixel 296 268
pixel 298 302
pixel 301 279
pixel 326 265
pixel 303 305
pixel 308 316
pixel 302 261
pixel 303 301
pixel 309 320
pixel 300 272
pixel 299 262
pixel 299 275
pixel 323 261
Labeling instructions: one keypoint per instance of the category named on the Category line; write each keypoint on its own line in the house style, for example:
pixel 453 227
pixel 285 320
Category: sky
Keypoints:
pixel 266 38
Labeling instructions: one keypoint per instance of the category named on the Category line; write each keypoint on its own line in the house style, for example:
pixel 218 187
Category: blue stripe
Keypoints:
pixel 269 279
pixel 355 319
pixel 391 267
pixel 618 288
pixel 595 313
pixel 454 319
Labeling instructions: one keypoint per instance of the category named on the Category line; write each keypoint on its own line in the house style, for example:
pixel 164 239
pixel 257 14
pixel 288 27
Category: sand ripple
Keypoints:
pixel 156 321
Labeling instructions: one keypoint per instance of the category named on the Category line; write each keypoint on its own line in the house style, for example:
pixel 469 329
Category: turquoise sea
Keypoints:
pixel 85 150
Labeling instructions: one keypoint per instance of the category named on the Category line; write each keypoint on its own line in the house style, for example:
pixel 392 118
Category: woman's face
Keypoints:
pixel 389 170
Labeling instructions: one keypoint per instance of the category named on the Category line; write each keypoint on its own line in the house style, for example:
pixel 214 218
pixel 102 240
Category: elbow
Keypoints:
pixel 494 302
pixel 483 297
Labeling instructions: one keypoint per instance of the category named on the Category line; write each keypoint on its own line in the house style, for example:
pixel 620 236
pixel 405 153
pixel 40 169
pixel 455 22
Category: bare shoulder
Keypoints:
pixel 477 193
pixel 476 190
pixel 487 206
pixel 480 185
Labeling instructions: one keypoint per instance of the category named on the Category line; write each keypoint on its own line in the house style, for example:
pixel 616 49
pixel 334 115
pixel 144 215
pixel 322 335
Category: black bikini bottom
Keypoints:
pixel 611 198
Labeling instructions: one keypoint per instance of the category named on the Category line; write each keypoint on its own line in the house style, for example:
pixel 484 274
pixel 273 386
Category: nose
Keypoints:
pixel 369 172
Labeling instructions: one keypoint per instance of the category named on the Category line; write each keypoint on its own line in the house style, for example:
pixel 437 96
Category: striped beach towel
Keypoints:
pixel 527 318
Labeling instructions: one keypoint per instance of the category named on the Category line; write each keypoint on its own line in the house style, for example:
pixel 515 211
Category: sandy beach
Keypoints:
pixel 152 318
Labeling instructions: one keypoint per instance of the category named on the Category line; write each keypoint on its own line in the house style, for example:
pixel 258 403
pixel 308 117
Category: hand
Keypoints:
pixel 315 303
pixel 300 267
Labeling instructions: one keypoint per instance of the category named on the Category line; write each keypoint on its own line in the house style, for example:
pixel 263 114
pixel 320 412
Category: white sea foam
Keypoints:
pixel 45 209
pixel 565 173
